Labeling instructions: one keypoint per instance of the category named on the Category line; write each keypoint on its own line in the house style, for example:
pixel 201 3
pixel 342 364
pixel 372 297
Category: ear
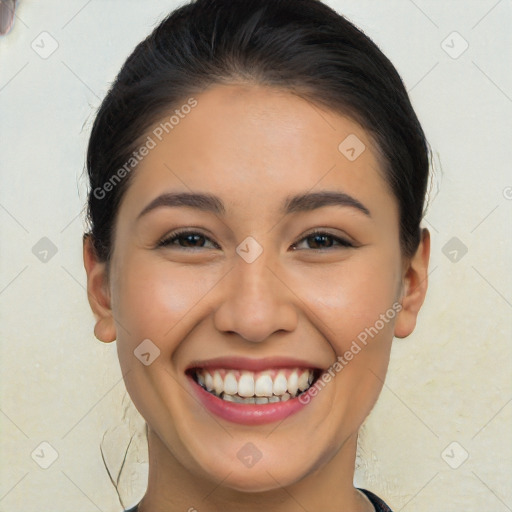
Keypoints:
pixel 414 287
pixel 98 292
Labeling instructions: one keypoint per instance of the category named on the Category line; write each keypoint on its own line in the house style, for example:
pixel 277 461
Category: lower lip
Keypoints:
pixel 247 414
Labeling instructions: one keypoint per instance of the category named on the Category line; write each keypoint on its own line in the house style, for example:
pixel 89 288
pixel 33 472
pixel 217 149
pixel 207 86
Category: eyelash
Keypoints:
pixel 177 235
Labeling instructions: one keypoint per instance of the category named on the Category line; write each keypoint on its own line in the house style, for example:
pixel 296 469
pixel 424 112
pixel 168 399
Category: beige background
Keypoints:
pixel 450 382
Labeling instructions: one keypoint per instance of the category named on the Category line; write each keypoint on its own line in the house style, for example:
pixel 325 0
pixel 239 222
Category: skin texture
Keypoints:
pixel 254 146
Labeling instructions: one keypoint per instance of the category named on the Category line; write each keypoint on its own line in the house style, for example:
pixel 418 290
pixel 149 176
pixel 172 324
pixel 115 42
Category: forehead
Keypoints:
pixel 255 145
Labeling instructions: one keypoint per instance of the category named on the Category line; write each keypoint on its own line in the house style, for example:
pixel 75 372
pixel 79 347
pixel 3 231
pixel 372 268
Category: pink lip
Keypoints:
pixel 254 365
pixel 246 414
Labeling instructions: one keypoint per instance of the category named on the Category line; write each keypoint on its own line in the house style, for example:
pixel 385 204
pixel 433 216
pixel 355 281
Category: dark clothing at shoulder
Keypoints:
pixel 379 505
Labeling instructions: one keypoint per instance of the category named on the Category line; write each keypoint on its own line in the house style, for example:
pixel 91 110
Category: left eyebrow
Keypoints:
pixel 292 204
pixel 314 200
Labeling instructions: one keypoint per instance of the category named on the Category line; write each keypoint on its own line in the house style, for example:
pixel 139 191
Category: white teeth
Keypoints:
pixel 237 399
pixel 263 386
pixel 242 386
pixel 293 383
pixel 208 381
pixel 230 384
pixel 280 384
pixel 303 380
pixel 246 385
pixel 218 383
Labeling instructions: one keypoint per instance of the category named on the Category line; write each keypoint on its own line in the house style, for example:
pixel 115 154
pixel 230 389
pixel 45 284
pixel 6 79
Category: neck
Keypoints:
pixel 172 487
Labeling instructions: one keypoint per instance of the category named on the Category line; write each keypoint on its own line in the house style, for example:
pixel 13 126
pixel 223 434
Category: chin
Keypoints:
pixel 263 475
pixel 257 481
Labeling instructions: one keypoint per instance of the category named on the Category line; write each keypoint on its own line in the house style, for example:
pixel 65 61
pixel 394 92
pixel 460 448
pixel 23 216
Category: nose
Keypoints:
pixel 255 301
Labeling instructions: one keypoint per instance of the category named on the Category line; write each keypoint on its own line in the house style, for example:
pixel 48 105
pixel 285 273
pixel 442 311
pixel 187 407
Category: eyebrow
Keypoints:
pixel 213 204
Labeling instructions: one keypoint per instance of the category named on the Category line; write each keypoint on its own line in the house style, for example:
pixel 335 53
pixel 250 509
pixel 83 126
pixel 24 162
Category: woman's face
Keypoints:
pixel 251 296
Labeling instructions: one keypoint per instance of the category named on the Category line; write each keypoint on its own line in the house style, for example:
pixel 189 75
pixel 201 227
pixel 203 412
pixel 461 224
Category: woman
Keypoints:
pixel 257 183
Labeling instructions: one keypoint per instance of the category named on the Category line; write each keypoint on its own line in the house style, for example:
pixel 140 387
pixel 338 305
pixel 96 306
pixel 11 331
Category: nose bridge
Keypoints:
pixel 254 282
pixel 255 303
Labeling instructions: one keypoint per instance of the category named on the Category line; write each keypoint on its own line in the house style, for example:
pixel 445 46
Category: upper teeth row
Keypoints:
pixel 248 384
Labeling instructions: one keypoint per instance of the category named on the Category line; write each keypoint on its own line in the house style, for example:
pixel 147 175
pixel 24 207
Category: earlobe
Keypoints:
pixel 98 292
pixel 415 283
pixel 104 330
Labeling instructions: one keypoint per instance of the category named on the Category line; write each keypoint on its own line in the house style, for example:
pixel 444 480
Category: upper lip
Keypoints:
pixel 254 365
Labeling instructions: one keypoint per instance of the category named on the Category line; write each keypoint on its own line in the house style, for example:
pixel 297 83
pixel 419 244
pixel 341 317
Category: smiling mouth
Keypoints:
pixel 263 387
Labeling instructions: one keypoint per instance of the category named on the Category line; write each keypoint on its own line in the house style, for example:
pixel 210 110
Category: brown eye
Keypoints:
pixel 186 240
pixel 320 240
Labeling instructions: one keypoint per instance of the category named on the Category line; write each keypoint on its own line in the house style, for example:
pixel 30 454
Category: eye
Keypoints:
pixel 186 240
pixel 322 240
pixel 190 240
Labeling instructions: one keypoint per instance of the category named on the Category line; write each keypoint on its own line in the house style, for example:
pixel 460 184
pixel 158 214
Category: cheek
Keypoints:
pixel 155 299
pixel 352 297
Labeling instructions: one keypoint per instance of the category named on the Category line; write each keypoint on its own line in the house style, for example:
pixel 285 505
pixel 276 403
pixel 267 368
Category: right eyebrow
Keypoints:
pixel 203 202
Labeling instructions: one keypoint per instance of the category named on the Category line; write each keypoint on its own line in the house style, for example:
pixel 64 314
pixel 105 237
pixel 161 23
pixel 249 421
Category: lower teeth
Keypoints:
pixel 258 400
